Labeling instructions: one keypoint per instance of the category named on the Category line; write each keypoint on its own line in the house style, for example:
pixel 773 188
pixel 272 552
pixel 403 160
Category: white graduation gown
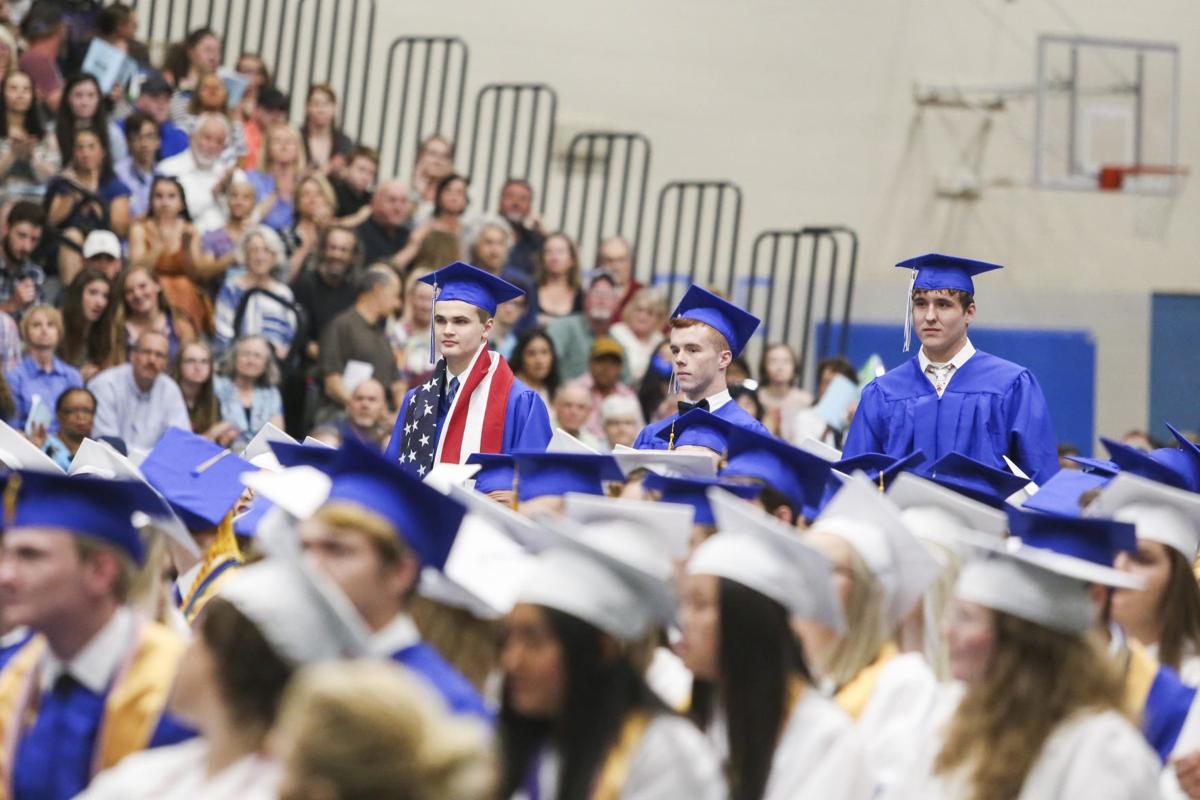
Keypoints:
pixel 819 756
pixel 177 773
pixel 670 679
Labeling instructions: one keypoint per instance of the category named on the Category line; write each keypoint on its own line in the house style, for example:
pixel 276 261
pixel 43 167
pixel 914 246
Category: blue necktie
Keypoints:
pixel 451 393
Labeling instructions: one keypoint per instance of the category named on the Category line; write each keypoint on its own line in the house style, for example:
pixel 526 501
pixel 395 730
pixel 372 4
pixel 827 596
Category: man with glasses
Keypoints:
pixel 137 402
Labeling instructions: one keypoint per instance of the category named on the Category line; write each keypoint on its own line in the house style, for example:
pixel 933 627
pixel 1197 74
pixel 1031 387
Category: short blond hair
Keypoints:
pixel 55 316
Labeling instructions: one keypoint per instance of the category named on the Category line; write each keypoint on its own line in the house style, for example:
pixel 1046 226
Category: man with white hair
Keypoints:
pixel 621 416
pixel 201 170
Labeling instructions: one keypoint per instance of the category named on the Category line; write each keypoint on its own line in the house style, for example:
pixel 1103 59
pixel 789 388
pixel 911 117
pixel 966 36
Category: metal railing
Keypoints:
pixel 592 152
pixel 695 239
pixel 829 249
pixel 518 121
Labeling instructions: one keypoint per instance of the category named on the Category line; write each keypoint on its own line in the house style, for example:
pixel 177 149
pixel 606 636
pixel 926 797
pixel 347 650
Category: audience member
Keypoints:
pixel 615 257
pixel 509 316
pixel 10 343
pixel 44 31
pixel 655 390
pixel 117 25
pixel 326 147
pixel 410 335
pixel 328 289
pixel 603 379
pixel 212 97
pixel 778 395
pixel 154 100
pixel 198 55
pixel 193 371
pixel 136 170
pixel 367 416
pixel 748 398
pixel 535 363
pixel 357 334
pixel 385 232
pixel 827 368
pixel 29 155
pixel 41 376
pixel 573 406
pixel 220 247
pixel 738 371
pixel 450 208
pixel 258 79
pixel 621 415
pixel 247 388
pixel 435 160
pixel 9 50
pixel 89 312
pixel 488 248
pixel 83 109
pixel 271 109
pixel 1140 440
pixel 640 330
pixel 74 411
pixel 314 212
pixel 278 176
pixel 22 280
pixel 256 301
pixel 516 206
pixel 574 334
pixel 102 253
pixel 137 402
pixel 1066 452
pixel 353 186
pixel 167 243
pixel 558 280
pixel 200 170
pixel 144 309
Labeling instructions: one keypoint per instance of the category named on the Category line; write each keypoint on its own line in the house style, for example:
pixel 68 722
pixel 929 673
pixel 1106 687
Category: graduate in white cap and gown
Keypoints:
pixel 754 693
pixel 1040 711
pixel 951 397
pixel 473 403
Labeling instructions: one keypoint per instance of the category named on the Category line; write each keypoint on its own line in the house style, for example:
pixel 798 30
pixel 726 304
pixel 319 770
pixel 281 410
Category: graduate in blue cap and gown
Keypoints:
pixel 472 403
pixel 707 332
pixel 541 479
pixel 952 397
pixel 91 687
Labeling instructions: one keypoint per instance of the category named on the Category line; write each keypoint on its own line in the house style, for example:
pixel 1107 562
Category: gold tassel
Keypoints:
pixel 516 485
pixel 11 491
pixel 881 482
pixel 671 440
pixel 224 548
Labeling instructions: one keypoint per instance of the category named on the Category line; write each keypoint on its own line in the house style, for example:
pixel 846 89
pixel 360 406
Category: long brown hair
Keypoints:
pixel 83 341
pixel 1179 609
pixel 205 412
pixel 1038 679
pixel 539 267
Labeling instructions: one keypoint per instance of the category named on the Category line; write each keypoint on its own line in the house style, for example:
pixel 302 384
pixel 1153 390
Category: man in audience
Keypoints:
pixel 136 170
pixel 572 408
pixel 155 102
pixel 271 109
pixel 516 206
pixel 44 30
pixel 616 258
pixel 353 187
pixel 603 380
pixel 574 334
pixel 200 169
pixel 622 418
pixel 137 401
pixel 386 231
pixel 22 280
pixel 489 248
pixel 367 415
pixel 357 335
pixel 328 289
pixel 102 252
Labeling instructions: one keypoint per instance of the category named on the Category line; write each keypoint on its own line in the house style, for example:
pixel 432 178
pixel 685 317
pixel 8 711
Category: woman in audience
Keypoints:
pixel 278 176
pixel 435 160
pixel 747 398
pixel 29 156
pixel 187 62
pixel 40 374
pixel 535 364
pixel 559 291
pixel 219 248
pixel 247 388
pixel 75 411
pixel 268 309
pixel 89 330
pixel 325 145
pixel 144 307
pixel 251 67
pixel 640 330
pixel 361 729
pixel 167 243
pixel 83 109
pixel 622 418
pixel 85 196
pixel 212 97
pixel 193 371
pixel 450 207
pixel 777 391
pixel 136 170
pixel 315 204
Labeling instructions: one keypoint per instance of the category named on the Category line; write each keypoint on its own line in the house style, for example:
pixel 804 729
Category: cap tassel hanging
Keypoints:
pixel 433 323
pixel 516 487
pixel 908 311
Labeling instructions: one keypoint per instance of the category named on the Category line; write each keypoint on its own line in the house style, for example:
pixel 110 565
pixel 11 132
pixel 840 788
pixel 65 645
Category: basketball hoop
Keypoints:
pixel 1111 177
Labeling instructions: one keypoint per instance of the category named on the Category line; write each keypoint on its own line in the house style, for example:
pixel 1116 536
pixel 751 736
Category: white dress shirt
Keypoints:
pixel 955 364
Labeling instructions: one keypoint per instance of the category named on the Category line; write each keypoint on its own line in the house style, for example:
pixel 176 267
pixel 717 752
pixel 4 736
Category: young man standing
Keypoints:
pixel 952 397
pixel 707 332
pixel 473 403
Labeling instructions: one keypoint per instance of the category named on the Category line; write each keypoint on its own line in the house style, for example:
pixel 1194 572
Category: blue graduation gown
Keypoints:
pixel 1166 709
pixel 457 691
pixel 526 422
pixel 991 408
pixel 730 412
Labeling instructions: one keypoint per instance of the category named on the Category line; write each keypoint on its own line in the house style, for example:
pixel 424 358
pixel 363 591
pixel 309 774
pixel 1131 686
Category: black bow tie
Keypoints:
pixel 685 406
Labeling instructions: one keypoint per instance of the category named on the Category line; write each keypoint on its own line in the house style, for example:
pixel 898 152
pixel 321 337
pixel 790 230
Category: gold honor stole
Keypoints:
pixel 616 765
pixel 132 709
pixel 854 696
pixel 1140 671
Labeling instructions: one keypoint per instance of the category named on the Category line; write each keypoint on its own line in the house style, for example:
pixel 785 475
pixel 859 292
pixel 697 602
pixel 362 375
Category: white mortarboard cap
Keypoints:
pixel 312 441
pixel 668 524
pixel 818 448
pixel 529 534
pixel 17 452
pixel 444 475
pixel 871 524
pixel 261 444
pixel 669 463
pixel 484 572
pixel 937 514
pixel 563 442
pixel 1160 513
pixel 299 491
pixel 762 553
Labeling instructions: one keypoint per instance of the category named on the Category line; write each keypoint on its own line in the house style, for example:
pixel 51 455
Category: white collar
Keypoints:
pixel 717 400
pixel 97 663
pixel 399 634
pixel 960 358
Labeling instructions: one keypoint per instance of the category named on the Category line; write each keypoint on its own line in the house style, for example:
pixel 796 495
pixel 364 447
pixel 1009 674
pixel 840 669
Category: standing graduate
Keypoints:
pixel 472 403
pixel 952 397
pixel 707 333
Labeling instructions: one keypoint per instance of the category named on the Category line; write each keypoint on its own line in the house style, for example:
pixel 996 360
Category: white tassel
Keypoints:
pixel 433 324
pixel 908 311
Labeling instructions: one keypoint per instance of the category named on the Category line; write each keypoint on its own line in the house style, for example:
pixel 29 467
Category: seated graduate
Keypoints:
pixel 1040 711
pixel 375 530
pixel 541 479
pixel 473 403
pixel 268 620
pixel 881 572
pixel 694 492
pixel 951 397
pixel 578 719
pixel 707 333
pixel 754 693
pixel 91 687
pixel 636 464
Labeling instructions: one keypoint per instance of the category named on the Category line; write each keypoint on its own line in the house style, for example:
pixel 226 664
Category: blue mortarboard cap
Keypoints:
pixel 1062 492
pixel 694 492
pixel 425 518
pixel 976 480
pixel 246 523
pixel 735 324
pixel 495 472
pixel 1093 539
pixel 87 506
pixel 879 466
pixel 541 474
pixel 699 428
pixel 1096 466
pixel 304 455
pixel 199 478
pixel 799 475
pixel 937 271
pixel 1168 465
pixel 472 285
